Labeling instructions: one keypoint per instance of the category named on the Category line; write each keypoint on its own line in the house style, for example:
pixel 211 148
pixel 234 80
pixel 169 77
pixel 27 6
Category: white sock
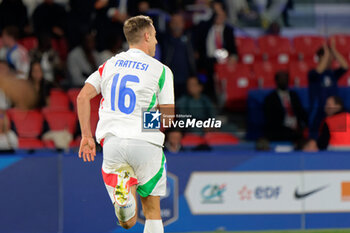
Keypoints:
pixel 125 213
pixel 153 226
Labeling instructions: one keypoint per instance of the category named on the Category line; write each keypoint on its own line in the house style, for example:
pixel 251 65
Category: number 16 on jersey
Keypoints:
pixel 123 92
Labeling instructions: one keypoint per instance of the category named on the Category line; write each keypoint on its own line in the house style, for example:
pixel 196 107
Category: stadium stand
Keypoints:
pixel 298 71
pixel 59 100
pixel 192 140
pixel 29 126
pixel 306 47
pixel 275 48
pixel 247 50
pixel 60 119
pixel 220 139
pixel 29 43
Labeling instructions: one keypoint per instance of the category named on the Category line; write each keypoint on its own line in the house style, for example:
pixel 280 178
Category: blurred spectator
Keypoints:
pixel 323 83
pixel 214 41
pixel 80 18
pixel 114 46
pixel 83 60
pixel 110 15
pixel 273 11
pixel 8 138
pixel 14 54
pixel 262 144
pixel 20 92
pixel 173 141
pixel 154 9
pixel 195 103
pixel 13 13
pixel 273 29
pixel 4 101
pixel 137 7
pixel 49 59
pixel 308 145
pixel 41 85
pixel 177 53
pixel 335 130
pixel 50 17
pixel 285 118
pixel 201 11
pixel 242 12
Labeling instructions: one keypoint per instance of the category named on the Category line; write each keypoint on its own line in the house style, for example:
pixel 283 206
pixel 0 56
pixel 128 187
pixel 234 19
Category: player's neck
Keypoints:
pixel 140 47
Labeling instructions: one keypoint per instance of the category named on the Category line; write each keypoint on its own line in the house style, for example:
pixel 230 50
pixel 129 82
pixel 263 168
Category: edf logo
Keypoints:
pixel 260 192
pixel 151 120
pixel 267 192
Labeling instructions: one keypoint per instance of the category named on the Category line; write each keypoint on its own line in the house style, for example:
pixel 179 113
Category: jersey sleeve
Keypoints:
pixel 95 80
pixel 166 87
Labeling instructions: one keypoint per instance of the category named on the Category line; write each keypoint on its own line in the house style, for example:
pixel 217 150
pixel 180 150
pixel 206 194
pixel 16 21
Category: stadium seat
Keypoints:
pixel 220 139
pixel 264 74
pixel 306 47
pixel 221 71
pixel 75 143
pixel 59 100
pixel 235 81
pixel 298 72
pixel 29 43
pixel 344 81
pixel 30 143
pixel 61 47
pixel 255 117
pixel 29 124
pixel 247 50
pixel 95 103
pixel 342 43
pixel 72 95
pixel 60 120
pixel 191 139
pixel 276 49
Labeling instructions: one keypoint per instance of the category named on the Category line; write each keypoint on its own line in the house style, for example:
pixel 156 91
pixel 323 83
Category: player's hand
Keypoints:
pixel 87 149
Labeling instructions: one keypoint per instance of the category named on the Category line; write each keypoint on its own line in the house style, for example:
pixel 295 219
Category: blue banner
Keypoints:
pixel 52 192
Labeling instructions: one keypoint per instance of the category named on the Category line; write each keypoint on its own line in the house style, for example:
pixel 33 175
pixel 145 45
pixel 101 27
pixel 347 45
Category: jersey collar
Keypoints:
pixel 135 50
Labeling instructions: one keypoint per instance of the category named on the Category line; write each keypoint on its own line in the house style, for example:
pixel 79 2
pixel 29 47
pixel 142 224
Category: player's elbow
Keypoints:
pixel 82 97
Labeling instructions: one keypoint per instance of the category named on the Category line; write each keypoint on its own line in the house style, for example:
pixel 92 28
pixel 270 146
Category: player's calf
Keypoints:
pixel 127 214
pixel 124 196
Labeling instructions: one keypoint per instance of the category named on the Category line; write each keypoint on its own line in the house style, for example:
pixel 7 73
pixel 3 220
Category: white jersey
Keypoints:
pixel 131 82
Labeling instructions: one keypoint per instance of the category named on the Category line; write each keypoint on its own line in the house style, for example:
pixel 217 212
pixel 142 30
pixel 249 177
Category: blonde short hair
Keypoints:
pixel 134 26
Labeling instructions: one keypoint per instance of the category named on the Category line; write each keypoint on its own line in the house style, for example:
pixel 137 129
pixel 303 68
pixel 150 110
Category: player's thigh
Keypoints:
pixel 113 158
pixel 149 164
pixel 113 152
pixel 151 207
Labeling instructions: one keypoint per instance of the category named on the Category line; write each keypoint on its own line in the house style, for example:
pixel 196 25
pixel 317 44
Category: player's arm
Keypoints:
pixel 166 96
pixel 83 103
pixel 87 148
pixel 168 112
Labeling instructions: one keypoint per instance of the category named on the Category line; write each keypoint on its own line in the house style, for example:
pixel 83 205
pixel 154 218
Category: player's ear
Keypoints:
pixel 147 35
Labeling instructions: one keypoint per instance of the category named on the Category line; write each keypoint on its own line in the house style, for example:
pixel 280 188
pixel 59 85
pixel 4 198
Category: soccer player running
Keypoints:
pixel 131 82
